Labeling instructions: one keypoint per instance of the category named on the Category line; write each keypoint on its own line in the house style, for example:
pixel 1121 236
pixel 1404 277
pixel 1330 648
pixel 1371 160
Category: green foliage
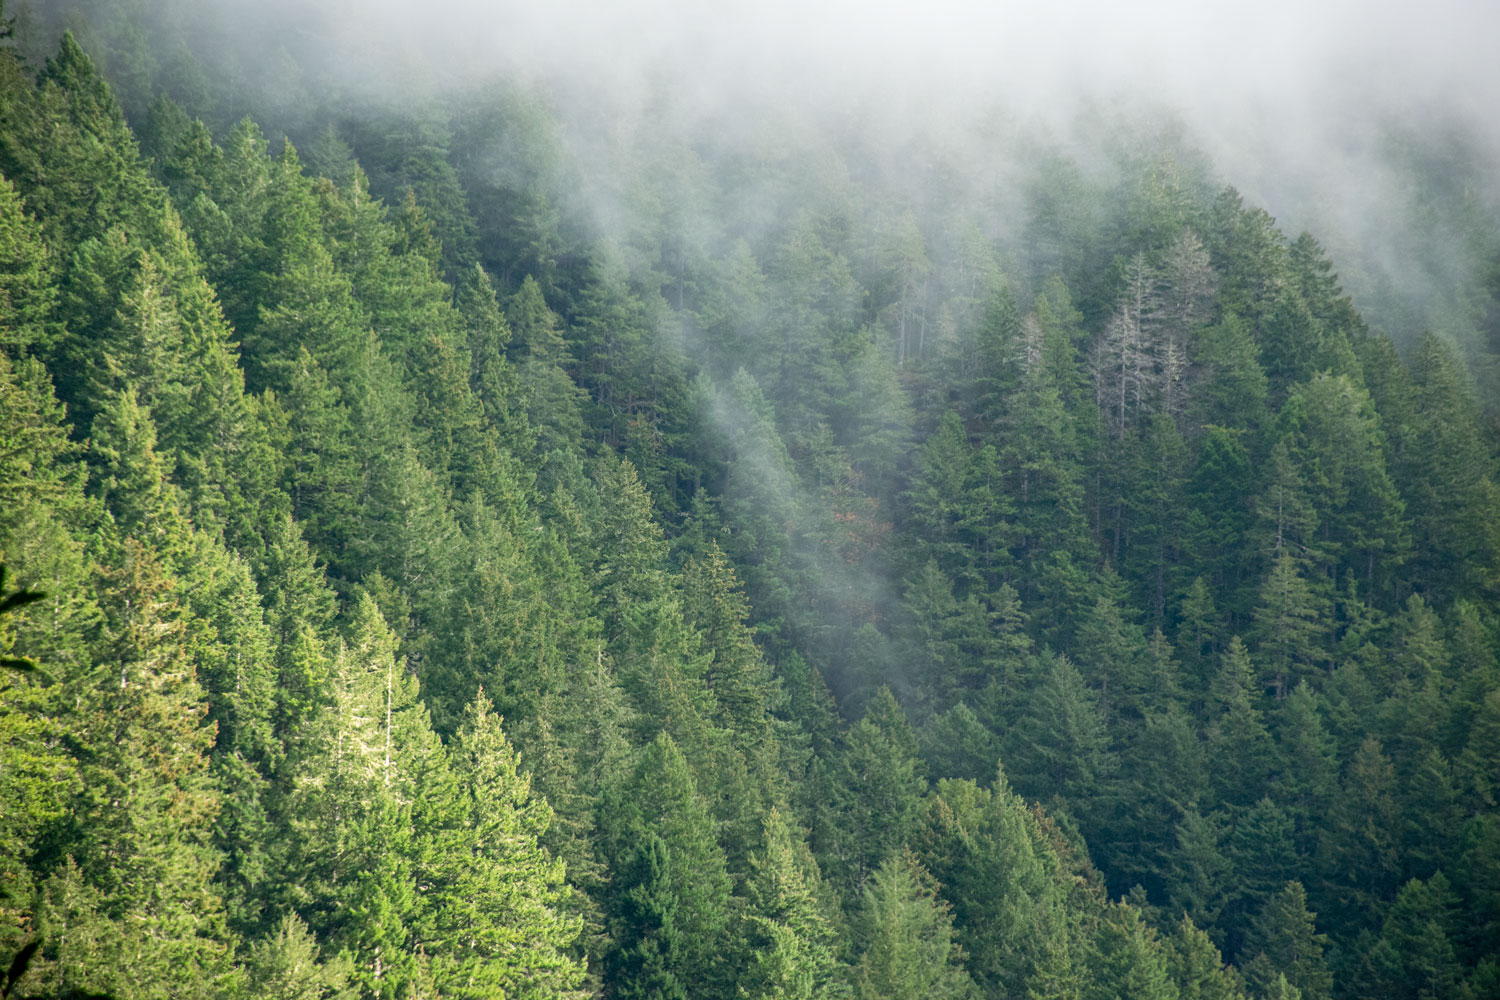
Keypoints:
pixel 876 788
pixel 668 903
pixel 501 922
pixel 788 940
pixel 139 856
pixel 904 934
pixel 1128 959
pixel 287 965
pixel 1283 941
pixel 1007 888
pixel 1195 967
pixel 312 456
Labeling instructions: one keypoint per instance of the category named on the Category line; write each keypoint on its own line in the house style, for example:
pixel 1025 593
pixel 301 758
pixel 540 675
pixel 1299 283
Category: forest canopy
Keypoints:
pixel 511 537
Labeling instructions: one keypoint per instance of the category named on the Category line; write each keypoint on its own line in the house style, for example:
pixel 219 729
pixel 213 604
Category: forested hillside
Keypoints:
pixel 458 554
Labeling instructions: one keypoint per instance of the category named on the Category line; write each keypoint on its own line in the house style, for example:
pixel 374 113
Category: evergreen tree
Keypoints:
pixel 218 777
pixel 1287 625
pixel 140 854
pixel 1447 478
pixel 352 776
pixel 1196 968
pixel 1263 857
pixel 668 903
pixel 789 940
pixel 1283 940
pixel 1010 912
pixel 27 285
pixel 957 744
pixel 288 965
pixel 743 687
pixel 1129 960
pixel 1112 653
pixel 949 645
pixel 958 508
pixel 904 934
pixel 648 939
pixel 500 923
pixel 1060 746
pixel 1309 770
pixel 1357 849
pixel 1218 513
pixel 880 427
pixel 1197 873
pixel 1414 955
pixel 877 787
pixel 1163 772
pixel 1236 736
pixel 1334 439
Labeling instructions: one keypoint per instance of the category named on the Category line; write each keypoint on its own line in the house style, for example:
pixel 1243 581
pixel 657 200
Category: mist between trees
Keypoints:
pixel 650 504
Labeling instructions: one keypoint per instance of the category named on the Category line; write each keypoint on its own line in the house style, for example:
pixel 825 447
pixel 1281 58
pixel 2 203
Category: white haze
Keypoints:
pixel 1295 102
pixel 1209 53
pixel 1292 100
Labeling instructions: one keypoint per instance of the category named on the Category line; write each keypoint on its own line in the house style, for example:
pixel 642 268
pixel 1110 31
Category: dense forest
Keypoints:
pixel 455 547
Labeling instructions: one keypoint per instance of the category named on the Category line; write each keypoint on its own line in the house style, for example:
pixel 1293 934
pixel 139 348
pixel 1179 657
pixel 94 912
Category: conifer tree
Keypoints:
pixel 1163 771
pixel 1060 746
pixel 669 874
pixel 1129 959
pixel 1431 814
pixel 1479 785
pixel 1414 955
pixel 1447 479
pixel 501 390
pixel 1283 940
pixel 72 155
pixel 1217 509
pixel 353 774
pixel 1234 390
pixel 1236 736
pixel 1197 873
pixel 1194 965
pixel 543 368
pixel 1475 669
pixel 877 787
pixel 788 939
pixel 957 744
pixel 1112 653
pixel 1010 912
pixel 958 507
pixel 879 428
pixel 949 645
pixel 141 857
pixel 1357 850
pixel 1333 438
pixel 1287 625
pixel 742 685
pixel 27 284
pixel 287 964
pixel 42 508
pixel 500 923
pixel 1263 857
pixel 1309 770
pixel 904 933
pixel 1479 859
pixel 418 487
pixel 648 960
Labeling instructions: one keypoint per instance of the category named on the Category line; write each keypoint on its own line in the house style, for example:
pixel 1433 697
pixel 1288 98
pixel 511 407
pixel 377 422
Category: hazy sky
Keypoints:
pixel 1310 67
pixel 1199 50
pixel 1287 96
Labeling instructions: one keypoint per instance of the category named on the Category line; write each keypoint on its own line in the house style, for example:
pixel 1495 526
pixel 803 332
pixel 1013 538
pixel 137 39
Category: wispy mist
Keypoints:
pixel 1303 107
pixel 1295 103
pixel 1207 55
